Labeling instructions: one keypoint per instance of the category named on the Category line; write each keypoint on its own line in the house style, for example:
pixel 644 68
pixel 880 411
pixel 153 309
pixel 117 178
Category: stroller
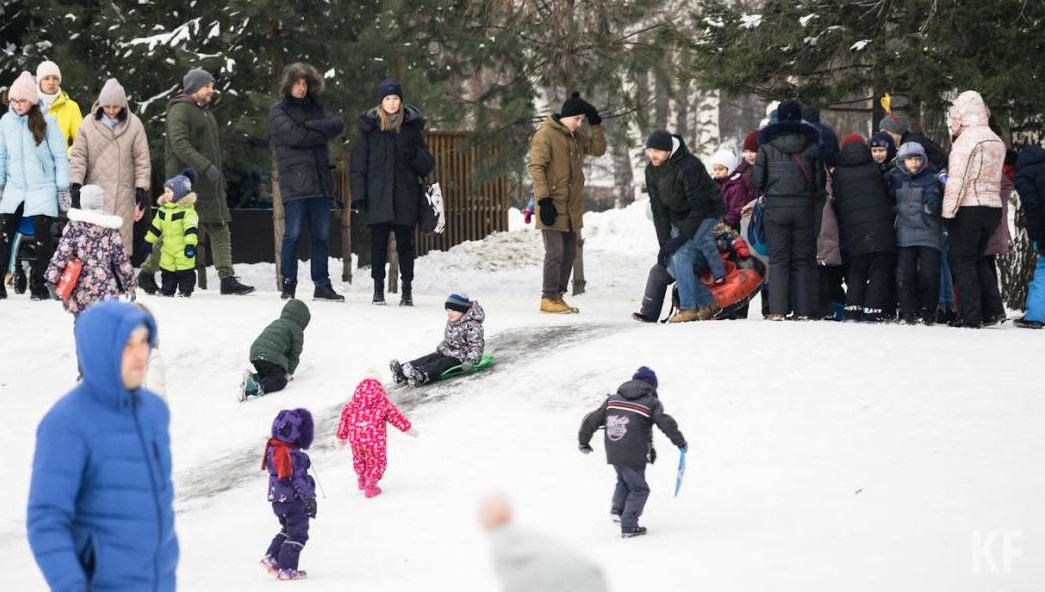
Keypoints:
pixel 745 275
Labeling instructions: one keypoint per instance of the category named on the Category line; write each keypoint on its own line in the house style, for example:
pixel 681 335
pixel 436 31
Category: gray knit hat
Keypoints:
pixel 112 94
pixel 195 79
pixel 181 184
pixel 894 122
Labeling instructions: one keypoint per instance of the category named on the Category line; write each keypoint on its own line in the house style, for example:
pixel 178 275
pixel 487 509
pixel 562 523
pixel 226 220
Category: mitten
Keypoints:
pixel 547 211
pixel 311 507
pixel 141 198
pixel 593 116
pixel 212 173
pixel 146 248
pixel 652 455
pixel 65 200
pixel 585 448
pixel 190 251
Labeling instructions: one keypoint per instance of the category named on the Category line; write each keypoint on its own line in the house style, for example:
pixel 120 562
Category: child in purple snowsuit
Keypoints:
pixel 291 491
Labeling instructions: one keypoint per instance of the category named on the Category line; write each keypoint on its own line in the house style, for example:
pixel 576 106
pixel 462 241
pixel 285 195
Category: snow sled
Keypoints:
pixel 484 362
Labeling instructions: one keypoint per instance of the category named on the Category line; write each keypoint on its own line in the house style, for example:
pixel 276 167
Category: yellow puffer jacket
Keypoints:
pixel 177 223
pixel 67 113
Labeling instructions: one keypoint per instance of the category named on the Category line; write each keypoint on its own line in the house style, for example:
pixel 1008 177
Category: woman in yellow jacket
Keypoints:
pixel 56 102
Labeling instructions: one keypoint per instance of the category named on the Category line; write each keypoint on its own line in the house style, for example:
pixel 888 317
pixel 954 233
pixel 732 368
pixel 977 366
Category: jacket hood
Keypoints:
pixel 369 121
pixel 854 154
pixel 911 149
pixel 1031 155
pixel 95 217
pixel 297 71
pixel 789 136
pixel 369 394
pixel 101 333
pixel 968 110
pixel 636 389
pixel 97 112
pixel 294 427
pixel 811 114
pixel 474 313
pixel 296 311
pixel 188 200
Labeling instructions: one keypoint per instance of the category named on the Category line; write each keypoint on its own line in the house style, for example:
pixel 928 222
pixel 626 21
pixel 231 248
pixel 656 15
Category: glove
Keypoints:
pixel 146 248
pixel 65 200
pixel 585 448
pixel 359 206
pixel 942 177
pixel 652 455
pixel 190 251
pixel 74 191
pixel 141 197
pixel 212 173
pixel 311 507
pixel 593 116
pixel 547 211
pixel 668 249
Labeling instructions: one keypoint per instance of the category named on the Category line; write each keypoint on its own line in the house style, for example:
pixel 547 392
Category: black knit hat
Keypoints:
pixel 458 302
pixel 660 140
pixel 389 86
pixel 789 110
pixel 574 105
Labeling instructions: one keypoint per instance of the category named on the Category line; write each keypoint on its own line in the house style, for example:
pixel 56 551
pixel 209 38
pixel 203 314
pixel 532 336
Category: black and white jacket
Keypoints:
pixel 628 416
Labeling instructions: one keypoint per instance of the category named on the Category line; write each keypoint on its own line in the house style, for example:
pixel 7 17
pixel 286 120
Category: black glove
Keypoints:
pixel 141 198
pixel 593 115
pixel 212 173
pixel 311 507
pixel 652 455
pixel 585 448
pixel 668 249
pixel 548 213
pixel 190 251
pixel 74 191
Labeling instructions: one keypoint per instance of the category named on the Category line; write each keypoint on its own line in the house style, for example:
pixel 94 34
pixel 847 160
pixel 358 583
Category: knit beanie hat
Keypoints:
pixel 24 88
pixel 853 137
pixel 751 141
pixel 574 105
pixel 92 197
pixel 645 374
pixel 196 79
pixel 389 86
pixel 112 94
pixel 180 184
pixel 48 68
pixel 458 302
pixel 894 122
pixel 789 110
pixel 726 158
pixel 659 140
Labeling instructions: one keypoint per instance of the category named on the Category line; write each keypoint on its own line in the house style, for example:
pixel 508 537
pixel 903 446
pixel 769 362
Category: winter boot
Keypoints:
pixel 326 292
pixel 1025 324
pixel 554 306
pixel 371 490
pixel 361 482
pixel 38 289
pixel 397 372
pixel 289 288
pixel 773 316
pixel 269 564
pixel 408 295
pixel 638 316
pixel 379 293
pixel 686 315
pixel 633 532
pixel 706 313
pixel 995 319
pixel 573 309
pixel 414 377
pixel 292 574
pixel 231 285
pixel 3 291
pixel 944 316
pixel 147 282
pixel 250 388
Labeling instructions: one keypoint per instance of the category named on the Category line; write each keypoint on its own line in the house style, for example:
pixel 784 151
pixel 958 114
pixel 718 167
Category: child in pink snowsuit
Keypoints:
pixel 363 425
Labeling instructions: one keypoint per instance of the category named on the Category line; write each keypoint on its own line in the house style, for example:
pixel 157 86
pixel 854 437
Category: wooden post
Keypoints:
pixel 278 219
pixel 201 259
pixel 578 266
pixel 393 265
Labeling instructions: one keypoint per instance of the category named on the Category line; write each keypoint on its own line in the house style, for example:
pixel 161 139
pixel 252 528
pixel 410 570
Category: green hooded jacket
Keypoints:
pixel 281 342
pixel 192 142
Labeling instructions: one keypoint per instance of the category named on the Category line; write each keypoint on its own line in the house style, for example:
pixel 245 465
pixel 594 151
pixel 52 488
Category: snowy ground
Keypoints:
pixel 823 455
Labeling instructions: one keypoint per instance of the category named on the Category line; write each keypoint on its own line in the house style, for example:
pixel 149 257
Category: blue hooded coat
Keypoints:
pixel 100 500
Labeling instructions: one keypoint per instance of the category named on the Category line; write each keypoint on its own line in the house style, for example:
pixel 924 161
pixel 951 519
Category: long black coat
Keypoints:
pixel 861 201
pixel 1030 183
pixel 300 130
pixel 386 168
pixel 628 416
pixel 777 174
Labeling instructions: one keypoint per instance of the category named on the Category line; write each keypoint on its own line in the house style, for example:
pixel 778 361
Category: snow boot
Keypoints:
pixel 397 372
pixel 250 388
pixel 3 291
pixel 573 309
pixel 147 282
pixel 414 377
pixel 687 315
pixel 944 316
pixel 554 306
pixel 1025 324
pixel 231 285
pixel 269 564
pixel 633 532
pixel 408 295
pixel 326 292
pixel 38 290
pixel 361 482
pixel 379 293
pixel 292 574
pixel 706 313
pixel 289 289
pixel 371 490
pixel 638 316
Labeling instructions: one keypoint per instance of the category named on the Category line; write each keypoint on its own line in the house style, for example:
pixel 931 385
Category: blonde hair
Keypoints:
pixel 390 123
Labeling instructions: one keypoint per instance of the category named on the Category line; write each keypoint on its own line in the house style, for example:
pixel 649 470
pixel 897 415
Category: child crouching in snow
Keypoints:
pixel 462 345
pixel 276 352
pixel 363 426
pixel 292 491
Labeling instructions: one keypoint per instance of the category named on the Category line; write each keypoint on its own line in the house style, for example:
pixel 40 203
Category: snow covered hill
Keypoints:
pixel 823 456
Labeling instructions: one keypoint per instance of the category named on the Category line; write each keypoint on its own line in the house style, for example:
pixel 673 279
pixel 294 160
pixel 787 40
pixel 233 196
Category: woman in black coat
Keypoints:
pixel 387 163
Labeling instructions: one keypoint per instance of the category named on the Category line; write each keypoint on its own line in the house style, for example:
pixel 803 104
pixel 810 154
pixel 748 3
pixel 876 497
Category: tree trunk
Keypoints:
pixel 278 220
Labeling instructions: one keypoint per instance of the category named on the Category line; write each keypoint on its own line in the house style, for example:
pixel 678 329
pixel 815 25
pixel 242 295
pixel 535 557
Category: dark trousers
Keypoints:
pixel 918 282
pixel 791 237
pixel 657 283
pixel 978 295
pixel 867 284
pixel 44 243
pixel 434 364
pixel 287 545
pixel 832 293
pixel 379 234
pixel 183 281
pixel 629 497
pixel 314 212
pixel 271 377
pixel 560 249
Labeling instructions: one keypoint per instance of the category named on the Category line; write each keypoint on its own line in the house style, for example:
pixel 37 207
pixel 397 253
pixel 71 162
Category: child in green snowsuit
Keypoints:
pixel 178 225
pixel 276 352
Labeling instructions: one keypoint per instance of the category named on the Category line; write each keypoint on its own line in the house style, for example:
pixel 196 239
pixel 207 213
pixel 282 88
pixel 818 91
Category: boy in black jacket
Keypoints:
pixel 628 417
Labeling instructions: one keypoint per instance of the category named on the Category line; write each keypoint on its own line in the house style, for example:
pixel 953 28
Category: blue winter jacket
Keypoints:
pixel 100 501
pixel 30 172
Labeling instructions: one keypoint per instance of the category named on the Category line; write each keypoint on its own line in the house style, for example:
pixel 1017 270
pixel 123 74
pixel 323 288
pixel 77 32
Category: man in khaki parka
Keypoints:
pixel 556 169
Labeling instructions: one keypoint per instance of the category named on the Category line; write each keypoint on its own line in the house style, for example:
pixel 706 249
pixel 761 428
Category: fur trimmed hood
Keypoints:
pixel 95 217
pixel 775 130
pixel 297 71
pixel 369 122
pixel 189 199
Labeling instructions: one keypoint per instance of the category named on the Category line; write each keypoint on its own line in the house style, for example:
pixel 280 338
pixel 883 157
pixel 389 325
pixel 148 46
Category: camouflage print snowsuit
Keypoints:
pixel 363 425
pixel 464 339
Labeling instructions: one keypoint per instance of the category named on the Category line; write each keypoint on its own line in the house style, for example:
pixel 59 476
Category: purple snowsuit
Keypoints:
pixel 292 430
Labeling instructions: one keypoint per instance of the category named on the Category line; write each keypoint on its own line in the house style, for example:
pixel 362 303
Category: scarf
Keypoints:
pixel 110 122
pixel 49 100
pixel 280 458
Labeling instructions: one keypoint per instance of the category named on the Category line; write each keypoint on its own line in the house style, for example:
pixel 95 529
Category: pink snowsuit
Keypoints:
pixel 363 425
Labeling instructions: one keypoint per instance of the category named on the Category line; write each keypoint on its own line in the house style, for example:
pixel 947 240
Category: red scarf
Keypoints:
pixel 280 458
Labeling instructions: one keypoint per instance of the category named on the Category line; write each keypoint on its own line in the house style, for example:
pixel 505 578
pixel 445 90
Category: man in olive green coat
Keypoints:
pixel 276 352
pixel 192 142
pixel 557 171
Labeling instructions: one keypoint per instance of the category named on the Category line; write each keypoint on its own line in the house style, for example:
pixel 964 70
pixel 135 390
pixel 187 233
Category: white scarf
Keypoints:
pixel 49 100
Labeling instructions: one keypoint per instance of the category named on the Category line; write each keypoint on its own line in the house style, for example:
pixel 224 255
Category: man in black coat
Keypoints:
pixel 789 172
pixel 628 417
pixel 828 138
pixel 299 130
